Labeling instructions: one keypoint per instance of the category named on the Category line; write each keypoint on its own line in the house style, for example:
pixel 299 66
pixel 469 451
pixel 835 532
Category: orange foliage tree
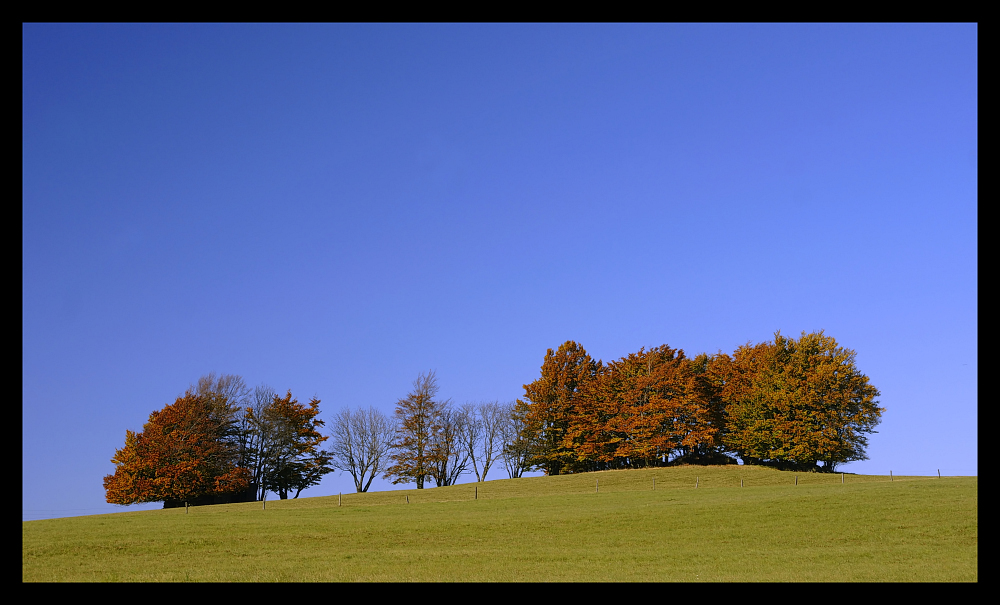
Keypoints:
pixel 186 451
pixel 793 403
pixel 550 406
pixel 641 409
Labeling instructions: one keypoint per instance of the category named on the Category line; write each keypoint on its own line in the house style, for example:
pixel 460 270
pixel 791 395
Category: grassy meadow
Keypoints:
pixel 605 526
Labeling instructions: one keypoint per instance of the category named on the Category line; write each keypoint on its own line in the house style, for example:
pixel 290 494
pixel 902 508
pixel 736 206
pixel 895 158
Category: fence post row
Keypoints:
pixel 597 489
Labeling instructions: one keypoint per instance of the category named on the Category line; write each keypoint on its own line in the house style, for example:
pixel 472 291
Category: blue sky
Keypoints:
pixel 335 209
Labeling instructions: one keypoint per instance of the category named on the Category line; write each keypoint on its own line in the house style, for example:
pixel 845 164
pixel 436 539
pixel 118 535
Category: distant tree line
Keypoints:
pixel 789 403
pixel 797 404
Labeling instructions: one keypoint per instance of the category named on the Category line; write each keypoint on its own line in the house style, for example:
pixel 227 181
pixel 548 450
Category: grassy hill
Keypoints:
pixel 606 526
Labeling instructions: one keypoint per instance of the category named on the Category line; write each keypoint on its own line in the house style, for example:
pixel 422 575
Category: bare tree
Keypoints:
pixel 517 443
pixel 257 439
pixel 483 437
pixel 451 458
pixel 360 445
pixel 472 436
pixel 230 386
pixel 230 394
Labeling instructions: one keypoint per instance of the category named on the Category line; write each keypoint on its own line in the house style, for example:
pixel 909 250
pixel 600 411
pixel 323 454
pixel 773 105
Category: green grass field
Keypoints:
pixel 545 529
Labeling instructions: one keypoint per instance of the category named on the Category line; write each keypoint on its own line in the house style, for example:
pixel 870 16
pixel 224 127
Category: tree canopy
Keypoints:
pixel 792 403
pixel 640 408
pixel 187 450
pixel 550 405
pixel 795 403
pixel 220 443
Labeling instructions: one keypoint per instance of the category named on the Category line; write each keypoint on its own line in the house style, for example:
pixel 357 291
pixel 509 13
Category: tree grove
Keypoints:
pixel 220 443
pixel 790 403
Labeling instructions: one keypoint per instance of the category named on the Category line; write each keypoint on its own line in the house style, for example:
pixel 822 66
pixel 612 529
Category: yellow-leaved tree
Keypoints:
pixel 794 403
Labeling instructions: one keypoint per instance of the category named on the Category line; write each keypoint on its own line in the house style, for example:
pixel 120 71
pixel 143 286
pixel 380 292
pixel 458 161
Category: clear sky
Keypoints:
pixel 335 209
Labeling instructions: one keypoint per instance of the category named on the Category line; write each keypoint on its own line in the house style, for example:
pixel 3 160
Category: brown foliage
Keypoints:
pixel 551 405
pixel 185 451
pixel 414 456
pixel 640 409
pixel 791 403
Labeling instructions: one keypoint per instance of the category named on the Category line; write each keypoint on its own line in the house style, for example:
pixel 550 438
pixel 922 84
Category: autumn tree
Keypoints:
pixel 414 455
pixel 290 456
pixel 360 444
pixel 232 397
pixel 550 405
pixel 793 403
pixel 640 409
pixel 707 387
pixel 185 451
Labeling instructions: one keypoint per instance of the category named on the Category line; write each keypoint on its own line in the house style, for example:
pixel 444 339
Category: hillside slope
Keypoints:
pixel 609 526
